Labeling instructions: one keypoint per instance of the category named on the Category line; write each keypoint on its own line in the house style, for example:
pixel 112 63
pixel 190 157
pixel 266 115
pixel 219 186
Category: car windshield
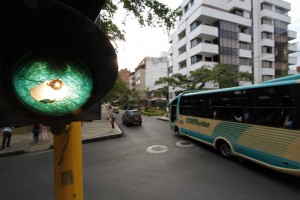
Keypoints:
pixel 136 113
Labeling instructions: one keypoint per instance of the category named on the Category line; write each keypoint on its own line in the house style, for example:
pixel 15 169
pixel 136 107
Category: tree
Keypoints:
pixel 118 90
pixel 198 78
pixel 138 95
pixel 148 13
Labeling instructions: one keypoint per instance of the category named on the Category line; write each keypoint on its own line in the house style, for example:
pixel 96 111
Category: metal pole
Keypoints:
pixel 68 163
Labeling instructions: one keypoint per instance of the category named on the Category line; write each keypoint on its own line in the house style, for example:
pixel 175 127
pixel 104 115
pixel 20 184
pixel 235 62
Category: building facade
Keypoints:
pixel 149 70
pixel 245 35
pixel 124 75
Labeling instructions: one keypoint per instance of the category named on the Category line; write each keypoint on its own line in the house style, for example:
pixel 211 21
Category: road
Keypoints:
pixel 122 168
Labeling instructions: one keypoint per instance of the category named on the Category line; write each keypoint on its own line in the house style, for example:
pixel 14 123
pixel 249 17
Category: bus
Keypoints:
pixel 256 122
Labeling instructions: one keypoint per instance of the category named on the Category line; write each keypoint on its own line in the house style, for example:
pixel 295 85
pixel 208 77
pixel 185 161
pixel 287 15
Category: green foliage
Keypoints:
pixel 148 13
pixel 195 80
pixel 118 90
pixel 152 112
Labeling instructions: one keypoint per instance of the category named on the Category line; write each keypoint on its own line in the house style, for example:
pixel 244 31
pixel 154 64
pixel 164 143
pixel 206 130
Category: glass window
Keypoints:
pixel 267 64
pixel 195 24
pixel 196 58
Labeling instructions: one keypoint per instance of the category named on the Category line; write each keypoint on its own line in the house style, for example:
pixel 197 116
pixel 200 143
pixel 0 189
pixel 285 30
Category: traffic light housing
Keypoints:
pixel 55 62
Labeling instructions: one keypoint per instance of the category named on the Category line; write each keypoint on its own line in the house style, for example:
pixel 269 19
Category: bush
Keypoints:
pixel 152 112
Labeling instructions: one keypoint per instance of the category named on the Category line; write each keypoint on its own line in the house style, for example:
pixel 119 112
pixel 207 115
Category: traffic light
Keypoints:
pixel 55 63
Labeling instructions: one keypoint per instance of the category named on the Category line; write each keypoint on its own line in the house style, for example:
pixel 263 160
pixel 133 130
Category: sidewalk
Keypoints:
pixel 91 131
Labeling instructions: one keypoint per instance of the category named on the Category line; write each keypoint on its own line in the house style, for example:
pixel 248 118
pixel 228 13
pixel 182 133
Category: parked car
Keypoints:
pixel 132 117
pixel 115 109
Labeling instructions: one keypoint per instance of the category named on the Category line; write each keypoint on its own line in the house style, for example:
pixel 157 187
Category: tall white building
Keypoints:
pixel 246 35
pixel 149 70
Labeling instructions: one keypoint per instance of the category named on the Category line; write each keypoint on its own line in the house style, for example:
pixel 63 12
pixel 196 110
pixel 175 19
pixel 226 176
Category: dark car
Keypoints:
pixel 132 117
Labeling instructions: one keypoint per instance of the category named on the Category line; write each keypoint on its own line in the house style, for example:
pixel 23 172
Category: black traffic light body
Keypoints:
pixel 46 42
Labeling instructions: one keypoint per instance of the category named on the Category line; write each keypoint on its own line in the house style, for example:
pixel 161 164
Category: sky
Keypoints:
pixel 144 41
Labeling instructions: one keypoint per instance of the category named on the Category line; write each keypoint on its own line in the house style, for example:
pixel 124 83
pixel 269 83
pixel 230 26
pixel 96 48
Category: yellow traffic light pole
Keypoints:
pixel 68 163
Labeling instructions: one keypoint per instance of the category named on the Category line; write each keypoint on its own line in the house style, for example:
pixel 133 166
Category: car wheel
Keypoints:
pixel 140 123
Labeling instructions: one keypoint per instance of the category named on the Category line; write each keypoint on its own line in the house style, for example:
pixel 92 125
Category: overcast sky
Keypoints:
pixel 142 42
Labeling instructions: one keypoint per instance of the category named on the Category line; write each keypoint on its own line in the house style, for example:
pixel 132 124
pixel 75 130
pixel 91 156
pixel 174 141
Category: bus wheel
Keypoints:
pixel 179 132
pixel 225 149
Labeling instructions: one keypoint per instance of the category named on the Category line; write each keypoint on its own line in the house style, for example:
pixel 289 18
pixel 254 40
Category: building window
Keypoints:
pixel 209 59
pixel 195 24
pixel 244 61
pixel 244 45
pixel 192 2
pixel 182 50
pixel 181 35
pixel 267 64
pixel 266 21
pixel 266 6
pixel 245 30
pixel 196 58
pixel 182 64
pixel 238 12
pixel 186 8
pixel 228 51
pixel 195 42
pixel 279 10
pixel 267 49
pixel 267 77
pixel 266 35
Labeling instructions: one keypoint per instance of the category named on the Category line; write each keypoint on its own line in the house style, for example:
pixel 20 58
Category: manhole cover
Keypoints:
pixel 157 149
pixel 184 144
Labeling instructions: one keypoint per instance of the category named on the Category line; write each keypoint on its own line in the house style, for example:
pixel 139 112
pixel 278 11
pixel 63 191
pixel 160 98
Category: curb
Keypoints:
pixel 84 141
pixel 12 153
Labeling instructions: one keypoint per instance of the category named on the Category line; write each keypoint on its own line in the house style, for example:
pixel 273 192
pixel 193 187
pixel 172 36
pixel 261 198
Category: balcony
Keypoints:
pixel 245 68
pixel 205 49
pixel 267 71
pixel 171 51
pixel 292 35
pixel 181 43
pixel 181 57
pixel 279 3
pixel 201 64
pixel 244 37
pixel 170 38
pixel 267 57
pixel 204 31
pixel 267 42
pixel 245 53
pixel 274 15
pixel 267 28
pixel 292 48
pixel 292 60
pixel 244 5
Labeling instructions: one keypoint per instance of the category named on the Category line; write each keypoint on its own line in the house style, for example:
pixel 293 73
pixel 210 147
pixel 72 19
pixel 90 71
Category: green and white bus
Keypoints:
pixel 257 122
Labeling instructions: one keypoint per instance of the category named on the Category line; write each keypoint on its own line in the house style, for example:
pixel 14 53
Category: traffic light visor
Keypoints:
pixel 52 83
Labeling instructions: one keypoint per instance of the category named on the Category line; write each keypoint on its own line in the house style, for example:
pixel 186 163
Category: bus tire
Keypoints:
pixel 224 149
pixel 179 132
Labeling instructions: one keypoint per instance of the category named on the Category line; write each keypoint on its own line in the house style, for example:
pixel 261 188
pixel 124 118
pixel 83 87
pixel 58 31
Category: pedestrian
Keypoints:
pixel 36 132
pixel 44 132
pixel 112 120
pixel 6 137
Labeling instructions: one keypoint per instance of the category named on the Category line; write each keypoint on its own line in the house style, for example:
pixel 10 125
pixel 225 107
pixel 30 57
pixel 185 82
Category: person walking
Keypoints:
pixel 36 132
pixel 44 132
pixel 6 137
pixel 112 120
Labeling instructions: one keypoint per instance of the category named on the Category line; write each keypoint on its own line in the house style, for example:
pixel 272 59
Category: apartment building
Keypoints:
pixel 246 35
pixel 149 70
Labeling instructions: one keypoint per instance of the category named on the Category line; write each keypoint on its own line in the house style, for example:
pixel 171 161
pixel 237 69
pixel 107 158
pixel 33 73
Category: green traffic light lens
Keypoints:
pixel 52 83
